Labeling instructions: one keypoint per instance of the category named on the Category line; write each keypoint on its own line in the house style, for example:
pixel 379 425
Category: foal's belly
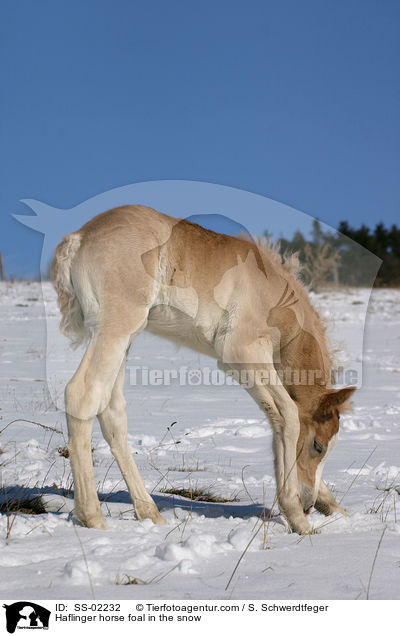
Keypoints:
pixel 177 326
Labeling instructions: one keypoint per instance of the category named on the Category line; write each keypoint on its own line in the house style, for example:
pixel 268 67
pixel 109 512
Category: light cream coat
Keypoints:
pixel 133 268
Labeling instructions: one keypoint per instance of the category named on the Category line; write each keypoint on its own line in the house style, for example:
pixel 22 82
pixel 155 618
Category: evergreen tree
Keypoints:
pixel 348 253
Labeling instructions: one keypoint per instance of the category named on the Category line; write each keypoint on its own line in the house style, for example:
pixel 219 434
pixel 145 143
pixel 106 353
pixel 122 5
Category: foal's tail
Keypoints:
pixel 72 322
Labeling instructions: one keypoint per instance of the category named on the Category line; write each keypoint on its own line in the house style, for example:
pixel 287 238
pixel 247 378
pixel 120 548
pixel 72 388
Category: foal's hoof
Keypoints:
pixel 328 509
pixel 307 531
pixel 301 527
pixel 150 513
pixel 97 523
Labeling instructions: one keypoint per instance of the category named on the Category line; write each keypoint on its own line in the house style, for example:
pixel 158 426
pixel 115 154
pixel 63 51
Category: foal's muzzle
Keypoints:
pixel 306 497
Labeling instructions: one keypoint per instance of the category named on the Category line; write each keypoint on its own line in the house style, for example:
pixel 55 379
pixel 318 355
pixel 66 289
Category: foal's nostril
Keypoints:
pixel 318 447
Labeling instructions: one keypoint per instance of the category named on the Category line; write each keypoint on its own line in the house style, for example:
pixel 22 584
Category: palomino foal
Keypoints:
pixel 133 268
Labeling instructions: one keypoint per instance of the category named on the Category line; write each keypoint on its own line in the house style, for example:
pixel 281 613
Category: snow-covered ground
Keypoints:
pixel 219 443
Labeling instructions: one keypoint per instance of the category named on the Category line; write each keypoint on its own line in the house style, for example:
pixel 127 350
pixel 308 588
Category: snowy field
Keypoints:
pixel 219 443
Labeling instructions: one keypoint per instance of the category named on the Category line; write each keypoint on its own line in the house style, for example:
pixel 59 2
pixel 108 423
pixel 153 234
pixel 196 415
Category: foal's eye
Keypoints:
pixel 318 447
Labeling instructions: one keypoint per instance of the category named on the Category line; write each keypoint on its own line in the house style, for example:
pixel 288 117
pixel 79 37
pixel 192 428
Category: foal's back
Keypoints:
pixel 189 279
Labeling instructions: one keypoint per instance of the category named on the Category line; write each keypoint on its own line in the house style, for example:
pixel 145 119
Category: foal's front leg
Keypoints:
pixel 283 416
pixel 326 503
pixel 275 402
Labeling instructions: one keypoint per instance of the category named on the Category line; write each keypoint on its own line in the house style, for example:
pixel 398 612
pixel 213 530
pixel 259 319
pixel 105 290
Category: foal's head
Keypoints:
pixel 319 427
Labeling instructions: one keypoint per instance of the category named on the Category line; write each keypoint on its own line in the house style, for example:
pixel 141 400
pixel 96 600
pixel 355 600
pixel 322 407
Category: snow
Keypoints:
pixel 196 436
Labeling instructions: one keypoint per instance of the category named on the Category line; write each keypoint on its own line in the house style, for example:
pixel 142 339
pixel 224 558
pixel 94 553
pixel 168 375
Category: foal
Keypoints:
pixel 133 268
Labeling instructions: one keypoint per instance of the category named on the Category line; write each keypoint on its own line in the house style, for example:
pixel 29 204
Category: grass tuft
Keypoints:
pixel 32 506
pixel 198 494
pixel 126 579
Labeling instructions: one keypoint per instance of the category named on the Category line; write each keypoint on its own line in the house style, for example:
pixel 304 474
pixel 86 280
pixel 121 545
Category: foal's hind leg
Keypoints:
pixel 87 394
pixel 114 426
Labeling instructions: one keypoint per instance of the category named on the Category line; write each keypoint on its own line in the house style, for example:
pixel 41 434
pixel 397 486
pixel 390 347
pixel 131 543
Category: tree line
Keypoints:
pixel 346 256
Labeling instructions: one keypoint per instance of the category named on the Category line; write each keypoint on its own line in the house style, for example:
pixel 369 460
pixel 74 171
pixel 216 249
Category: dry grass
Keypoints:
pixel 25 506
pixel 190 468
pixel 198 494
pixel 386 501
pixel 64 452
pixel 374 562
pixel 19 505
pixel 127 579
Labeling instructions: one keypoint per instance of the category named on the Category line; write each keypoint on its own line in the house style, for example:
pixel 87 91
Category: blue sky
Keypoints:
pixel 296 101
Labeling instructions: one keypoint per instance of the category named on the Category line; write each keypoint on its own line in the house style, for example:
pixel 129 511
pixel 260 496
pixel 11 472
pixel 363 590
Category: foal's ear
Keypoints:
pixel 333 399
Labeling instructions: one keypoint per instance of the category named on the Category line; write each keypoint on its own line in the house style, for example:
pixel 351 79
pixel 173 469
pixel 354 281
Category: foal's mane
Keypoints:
pixel 290 269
